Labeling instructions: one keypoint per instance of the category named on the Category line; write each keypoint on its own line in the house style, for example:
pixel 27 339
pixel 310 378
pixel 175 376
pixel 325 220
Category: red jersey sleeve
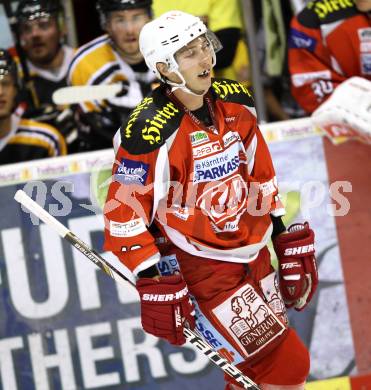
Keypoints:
pixel 128 210
pixel 313 76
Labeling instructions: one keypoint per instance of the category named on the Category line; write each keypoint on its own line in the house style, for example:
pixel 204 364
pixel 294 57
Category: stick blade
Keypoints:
pixel 83 93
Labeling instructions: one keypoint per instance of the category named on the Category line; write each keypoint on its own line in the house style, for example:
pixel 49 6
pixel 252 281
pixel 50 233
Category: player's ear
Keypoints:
pixel 163 69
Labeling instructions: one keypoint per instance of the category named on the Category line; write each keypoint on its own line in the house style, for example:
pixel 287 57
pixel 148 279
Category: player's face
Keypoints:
pixel 8 92
pixel 363 5
pixel 40 39
pixel 195 62
pixel 124 28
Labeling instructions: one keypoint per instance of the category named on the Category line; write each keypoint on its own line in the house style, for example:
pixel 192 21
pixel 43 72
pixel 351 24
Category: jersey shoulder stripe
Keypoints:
pixel 90 61
pixel 40 130
pixel 321 12
pixel 151 123
pixel 230 91
pixel 100 78
pixel 89 45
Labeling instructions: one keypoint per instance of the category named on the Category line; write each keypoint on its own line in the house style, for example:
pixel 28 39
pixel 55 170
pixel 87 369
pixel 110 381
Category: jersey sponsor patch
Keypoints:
pixel 198 137
pixel 131 172
pixel 300 40
pixel 249 320
pixel 181 212
pixel 168 265
pixel 127 229
pixel 366 63
pixel 206 149
pixel 364 34
pixel 214 338
pixel 230 137
pixel 365 47
pixel 271 290
pixel 299 79
pixel 218 166
pixel 269 187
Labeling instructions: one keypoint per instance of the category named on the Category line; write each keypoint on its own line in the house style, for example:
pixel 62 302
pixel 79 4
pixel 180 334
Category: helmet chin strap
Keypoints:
pixel 182 85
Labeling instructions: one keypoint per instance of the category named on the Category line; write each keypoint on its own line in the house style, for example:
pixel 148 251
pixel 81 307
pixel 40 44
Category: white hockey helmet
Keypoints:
pixel 161 38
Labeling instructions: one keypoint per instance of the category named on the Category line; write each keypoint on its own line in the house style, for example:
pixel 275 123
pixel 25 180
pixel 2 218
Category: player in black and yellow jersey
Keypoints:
pixel 112 58
pixel 45 58
pixel 22 139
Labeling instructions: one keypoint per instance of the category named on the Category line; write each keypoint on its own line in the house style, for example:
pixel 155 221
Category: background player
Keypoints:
pixel 112 58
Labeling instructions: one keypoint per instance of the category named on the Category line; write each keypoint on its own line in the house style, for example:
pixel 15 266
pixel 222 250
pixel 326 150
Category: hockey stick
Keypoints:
pixel 84 93
pixel 191 336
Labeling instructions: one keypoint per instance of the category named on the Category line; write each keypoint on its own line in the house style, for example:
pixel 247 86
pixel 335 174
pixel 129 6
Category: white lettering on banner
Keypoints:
pixel 90 355
pixel 62 360
pixel 127 229
pixel 299 250
pixel 148 347
pixel 218 166
pixel 19 283
pixel 7 372
pixel 206 149
pixel 87 273
pixel 130 350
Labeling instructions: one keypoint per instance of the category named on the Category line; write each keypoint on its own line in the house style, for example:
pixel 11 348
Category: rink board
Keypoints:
pixel 66 325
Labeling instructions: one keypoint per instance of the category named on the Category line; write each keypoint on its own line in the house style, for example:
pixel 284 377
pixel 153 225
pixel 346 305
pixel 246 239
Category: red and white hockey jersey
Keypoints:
pixel 329 42
pixel 211 192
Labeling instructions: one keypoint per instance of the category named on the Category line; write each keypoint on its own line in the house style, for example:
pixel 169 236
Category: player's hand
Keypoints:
pixel 297 265
pixel 166 307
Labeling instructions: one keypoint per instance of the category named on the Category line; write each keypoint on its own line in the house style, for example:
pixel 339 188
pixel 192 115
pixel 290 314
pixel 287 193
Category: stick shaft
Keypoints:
pixel 114 273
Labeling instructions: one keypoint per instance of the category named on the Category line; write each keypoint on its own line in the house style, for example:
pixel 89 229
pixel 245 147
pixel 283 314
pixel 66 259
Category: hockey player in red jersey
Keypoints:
pixel 329 43
pixel 192 162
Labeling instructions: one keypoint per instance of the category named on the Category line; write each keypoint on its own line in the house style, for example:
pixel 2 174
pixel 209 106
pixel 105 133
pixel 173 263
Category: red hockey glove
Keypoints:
pixel 297 265
pixel 166 307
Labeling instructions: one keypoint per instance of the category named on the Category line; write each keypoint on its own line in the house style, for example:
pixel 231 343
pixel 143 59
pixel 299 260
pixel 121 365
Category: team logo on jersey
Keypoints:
pixel 131 172
pixel 206 149
pixel 198 137
pixel 217 166
pixel 224 203
pixel 249 320
pixel 299 40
